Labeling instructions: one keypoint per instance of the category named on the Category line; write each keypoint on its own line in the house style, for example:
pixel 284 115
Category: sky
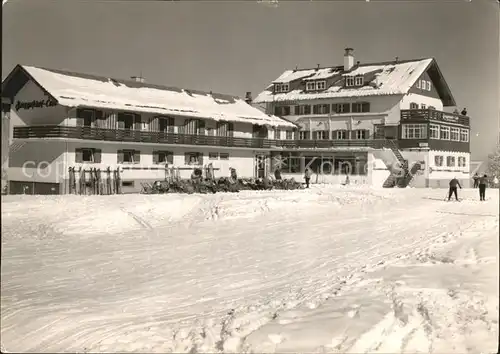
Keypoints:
pixel 238 46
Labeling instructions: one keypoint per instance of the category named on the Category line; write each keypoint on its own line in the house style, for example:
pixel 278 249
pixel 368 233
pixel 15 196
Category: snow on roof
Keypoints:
pixel 384 79
pixel 80 90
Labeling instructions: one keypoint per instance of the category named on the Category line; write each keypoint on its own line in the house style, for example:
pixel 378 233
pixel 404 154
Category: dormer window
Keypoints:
pixel 353 81
pixel 320 85
pixel 278 88
pixel 310 86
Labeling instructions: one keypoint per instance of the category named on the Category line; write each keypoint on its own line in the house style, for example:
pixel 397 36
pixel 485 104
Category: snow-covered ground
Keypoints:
pixel 329 269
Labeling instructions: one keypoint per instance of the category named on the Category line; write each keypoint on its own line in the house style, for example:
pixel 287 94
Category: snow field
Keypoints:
pixel 331 269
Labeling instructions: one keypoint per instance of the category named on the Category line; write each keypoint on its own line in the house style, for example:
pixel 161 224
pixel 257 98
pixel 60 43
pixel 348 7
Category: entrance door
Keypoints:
pixel 260 166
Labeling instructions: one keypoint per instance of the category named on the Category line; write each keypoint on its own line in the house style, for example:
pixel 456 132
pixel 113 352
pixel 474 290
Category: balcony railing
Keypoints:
pixel 431 114
pixel 138 136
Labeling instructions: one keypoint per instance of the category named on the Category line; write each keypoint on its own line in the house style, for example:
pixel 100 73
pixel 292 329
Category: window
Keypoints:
pixel 301 110
pixel 289 135
pixel 462 161
pixel 126 121
pixel 358 81
pixel 350 81
pixel 193 158
pixel 418 84
pixel 341 134
pixel 445 133
pixel 166 125
pixel 310 86
pixel 450 161
pixel 224 156
pixel 282 110
pixel 423 106
pixel 413 105
pixel 455 134
pixel 85 117
pixel 307 109
pixel 88 155
pixel 129 156
pixel 414 131
pixel 322 135
pixel 213 155
pixel 361 107
pixel 303 135
pixel 224 128
pixel 277 134
pixel 281 88
pixel 428 85
pixel 127 183
pixel 434 131
pixel 341 107
pixel 464 135
pixel 320 85
pixel 163 157
pixel 438 160
pixel 361 134
pixel 321 109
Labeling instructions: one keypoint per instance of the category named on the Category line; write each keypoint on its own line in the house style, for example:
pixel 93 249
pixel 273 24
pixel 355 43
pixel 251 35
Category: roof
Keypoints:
pixel 389 78
pixel 82 90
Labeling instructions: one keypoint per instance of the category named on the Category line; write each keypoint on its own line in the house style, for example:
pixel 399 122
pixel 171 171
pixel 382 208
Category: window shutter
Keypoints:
pixel 346 107
pixel 156 157
pixel 297 110
pixel 119 156
pixel 97 155
pixel 181 129
pixel 78 156
pixel 230 127
pixel 366 107
pixel 170 157
pixel 314 135
pixel 353 134
pixel 200 158
pixel 201 127
pixel 187 156
pixel 137 156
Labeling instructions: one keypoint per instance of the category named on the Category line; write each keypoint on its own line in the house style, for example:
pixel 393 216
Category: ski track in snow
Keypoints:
pixel 330 269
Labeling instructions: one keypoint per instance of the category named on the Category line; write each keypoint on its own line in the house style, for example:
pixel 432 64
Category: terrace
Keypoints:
pixel 139 136
pixel 425 115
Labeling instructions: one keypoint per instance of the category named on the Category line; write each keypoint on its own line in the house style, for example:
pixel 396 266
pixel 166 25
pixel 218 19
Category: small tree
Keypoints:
pixel 494 164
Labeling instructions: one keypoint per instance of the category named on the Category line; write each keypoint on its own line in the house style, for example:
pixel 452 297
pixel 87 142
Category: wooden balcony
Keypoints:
pixel 424 115
pixel 138 136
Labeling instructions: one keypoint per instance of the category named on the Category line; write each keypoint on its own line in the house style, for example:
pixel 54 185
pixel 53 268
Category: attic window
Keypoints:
pixel 281 88
pixel 351 81
pixel 310 86
pixel 320 85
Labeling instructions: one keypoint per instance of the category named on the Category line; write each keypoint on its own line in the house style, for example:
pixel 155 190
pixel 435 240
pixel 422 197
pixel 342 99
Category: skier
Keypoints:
pixel 453 188
pixel 476 180
pixel 482 187
pixel 307 176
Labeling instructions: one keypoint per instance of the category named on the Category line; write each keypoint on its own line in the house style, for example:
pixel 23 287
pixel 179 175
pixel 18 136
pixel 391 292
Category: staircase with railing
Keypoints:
pixel 400 176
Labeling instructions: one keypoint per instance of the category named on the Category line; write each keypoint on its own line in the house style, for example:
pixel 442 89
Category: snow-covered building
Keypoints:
pixel 63 120
pixel 398 112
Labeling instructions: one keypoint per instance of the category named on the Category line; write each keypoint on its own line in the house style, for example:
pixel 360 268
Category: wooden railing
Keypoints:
pixel 431 114
pixel 138 136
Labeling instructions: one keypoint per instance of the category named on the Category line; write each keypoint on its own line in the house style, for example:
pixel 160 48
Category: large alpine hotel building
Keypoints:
pixel 370 121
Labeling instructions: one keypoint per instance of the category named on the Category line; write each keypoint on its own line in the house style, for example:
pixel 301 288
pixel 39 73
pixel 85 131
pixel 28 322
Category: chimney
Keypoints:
pixel 137 79
pixel 348 59
pixel 317 67
pixel 248 97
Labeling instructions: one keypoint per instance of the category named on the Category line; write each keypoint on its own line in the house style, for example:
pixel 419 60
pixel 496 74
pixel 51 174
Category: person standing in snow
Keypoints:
pixel 454 183
pixel 277 174
pixel 476 180
pixel 307 176
pixel 482 187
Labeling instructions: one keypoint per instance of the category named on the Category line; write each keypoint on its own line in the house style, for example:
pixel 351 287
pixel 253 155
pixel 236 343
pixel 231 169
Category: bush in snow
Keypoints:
pixel 494 164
